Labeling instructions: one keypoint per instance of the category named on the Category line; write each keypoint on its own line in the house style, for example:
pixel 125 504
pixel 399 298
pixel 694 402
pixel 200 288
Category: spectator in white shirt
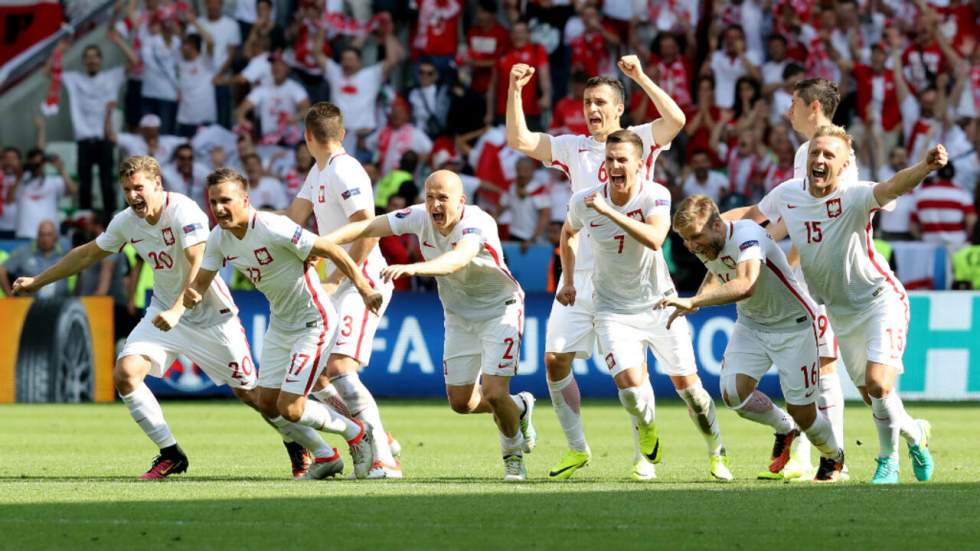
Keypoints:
pixel 280 107
pixel 701 180
pixel 37 195
pixel 527 205
pixel 772 69
pixel 195 75
pixel 226 36
pixel 730 62
pixel 88 93
pixel 11 172
pixel 148 140
pixel 895 224
pixel 429 101
pixel 159 54
pixel 264 191
pixel 187 176
pixel 397 137
pixel 354 88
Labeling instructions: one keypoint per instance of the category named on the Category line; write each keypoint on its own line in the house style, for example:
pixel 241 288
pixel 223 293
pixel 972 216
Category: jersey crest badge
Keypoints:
pixel 834 208
pixel 263 256
pixel 168 236
pixel 728 261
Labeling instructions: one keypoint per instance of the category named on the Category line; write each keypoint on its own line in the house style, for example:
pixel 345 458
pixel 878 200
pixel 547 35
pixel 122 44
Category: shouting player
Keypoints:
pixel 482 302
pixel 276 255
pixel 338 191
pixel 776 325
pixel 571 332
pixel 628 218
pixel 169 231
pixel 829 221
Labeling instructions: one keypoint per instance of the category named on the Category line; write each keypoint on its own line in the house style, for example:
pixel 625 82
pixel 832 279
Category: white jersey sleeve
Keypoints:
pixel 353 186
pixel 195 228
pixel 289 235
pixel 114 238
pixel 562 153
pixel 769 205
pixel 410 220
pixel 213 258
pixel 307 191
pixel 575 206
pixel 749 240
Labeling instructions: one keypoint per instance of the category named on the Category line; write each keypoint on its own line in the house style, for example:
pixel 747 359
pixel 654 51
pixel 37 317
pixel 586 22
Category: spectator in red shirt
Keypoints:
pixel 437 31
pixel 706 117
pixel 568 117
pixel 537 93
pixel 879 116
pixel 923 58
pixel 591 50
pixel 486 41
pixel 670 67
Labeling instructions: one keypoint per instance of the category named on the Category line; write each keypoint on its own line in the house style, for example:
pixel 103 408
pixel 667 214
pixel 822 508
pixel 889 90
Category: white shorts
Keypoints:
pixel 624 339
pixel 292 360
pixel 826 339
pixel 572 328
pixel 752 351
pixel 491 347
pixel 877 334
pixel 221 350
pixel 356 324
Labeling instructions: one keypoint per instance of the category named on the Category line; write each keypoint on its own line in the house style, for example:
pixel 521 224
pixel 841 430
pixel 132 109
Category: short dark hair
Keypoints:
pixel 223 175
pixel 182 147
pixel 194 40
pixel 626 136
pixel 821 90
pixel 12 149
pixel 613 83
pixel 325 122
pixel 93 47
pixel 777 36
pixel 792 69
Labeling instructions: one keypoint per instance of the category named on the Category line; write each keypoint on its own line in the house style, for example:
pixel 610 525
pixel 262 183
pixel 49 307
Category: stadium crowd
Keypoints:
pixel 422 86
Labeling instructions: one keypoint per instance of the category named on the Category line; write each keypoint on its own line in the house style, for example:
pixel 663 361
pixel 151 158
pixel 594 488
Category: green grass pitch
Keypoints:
pixel 66 481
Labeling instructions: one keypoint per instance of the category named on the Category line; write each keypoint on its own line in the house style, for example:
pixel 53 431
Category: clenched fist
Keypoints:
pixel 520 75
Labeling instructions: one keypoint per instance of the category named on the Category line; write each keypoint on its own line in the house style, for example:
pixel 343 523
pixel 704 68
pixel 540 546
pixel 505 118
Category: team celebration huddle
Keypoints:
pixel 832 298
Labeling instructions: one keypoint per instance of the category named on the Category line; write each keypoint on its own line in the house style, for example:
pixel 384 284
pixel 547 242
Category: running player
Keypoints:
pixel 482 302
pixel 275 254
pixel 169 231
pixel 628 218
pixel 571 332
pixel 829 222
pixel 338 191
pixel 776 325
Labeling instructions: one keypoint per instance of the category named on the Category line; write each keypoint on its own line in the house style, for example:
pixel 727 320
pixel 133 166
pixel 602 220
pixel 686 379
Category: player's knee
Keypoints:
pixel 558 366
pixel 496 397
pixel 290 410
pixel 803 415
pixel 248 397
pixel 126 374
pixel 876 389
pixel 462 405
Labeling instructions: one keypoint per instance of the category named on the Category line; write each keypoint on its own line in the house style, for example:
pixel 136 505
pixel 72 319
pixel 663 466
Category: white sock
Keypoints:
pixel 511 445
pixel 639 403
pixel 361 403
pixel 907 427
pixel 329 395
pixel 303 435
pixel 637 454
pixel 821 433
pixel 701 408
pixel 802 447
pixel 887 422
pixel 519 402
pixel 567 401
pixel 830 400
pixel 323 418
pixel 759 408
pixel 146 411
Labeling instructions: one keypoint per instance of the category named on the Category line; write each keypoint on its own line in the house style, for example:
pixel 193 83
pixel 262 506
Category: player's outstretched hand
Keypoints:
pixel 682 307
pixel 566 295
pixel 23 285
pixel 167 320
pixel 936 157
pixel 595 202
pixel 630 66
pixel 191 298
pixel 520 75
pixel 395 271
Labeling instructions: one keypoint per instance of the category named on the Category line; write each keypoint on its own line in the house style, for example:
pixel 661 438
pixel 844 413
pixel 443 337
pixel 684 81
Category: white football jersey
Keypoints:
pixel 182 225
pixel 337 192
pixel 833 238
pixel 779 301
pixel 628 277
pixel 273 256
pixel 850 173
pixel 582 159
pixel 482 289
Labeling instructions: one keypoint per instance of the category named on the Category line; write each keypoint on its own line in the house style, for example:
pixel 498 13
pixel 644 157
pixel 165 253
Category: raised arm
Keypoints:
pixel 533 144
pixel 72 263
pixel 672 119
pixel 906 179
pixel 394 53
pixel 375 227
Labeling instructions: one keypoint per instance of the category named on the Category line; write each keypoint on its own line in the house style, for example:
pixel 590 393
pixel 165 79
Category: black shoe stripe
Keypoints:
pixel 559 471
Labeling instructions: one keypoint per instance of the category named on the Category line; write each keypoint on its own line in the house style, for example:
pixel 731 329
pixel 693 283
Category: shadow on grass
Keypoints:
pixel 504 517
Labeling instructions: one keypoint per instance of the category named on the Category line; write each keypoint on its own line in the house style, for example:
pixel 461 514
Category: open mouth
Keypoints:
pixel 438 218
pixel 139 208
pixel 818 172
pixel 224 219
pixel 617 179
pixel 595 121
